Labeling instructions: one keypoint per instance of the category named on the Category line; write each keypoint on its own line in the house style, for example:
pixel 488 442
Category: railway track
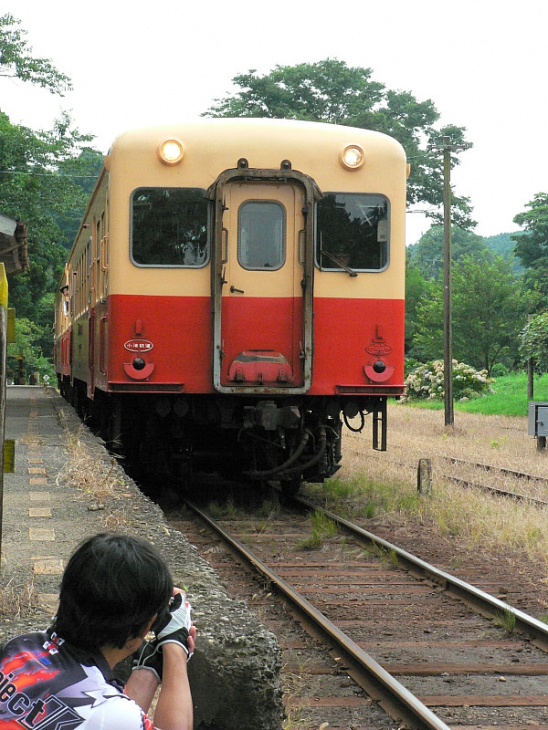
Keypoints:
pixel 494 473
pixel 374 636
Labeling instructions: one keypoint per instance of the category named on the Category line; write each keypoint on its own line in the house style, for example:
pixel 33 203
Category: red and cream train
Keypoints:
pixel 236 292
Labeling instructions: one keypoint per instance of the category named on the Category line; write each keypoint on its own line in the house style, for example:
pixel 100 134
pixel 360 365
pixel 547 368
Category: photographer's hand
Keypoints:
pixel 176 642
pixel 179 629
pixel 148 657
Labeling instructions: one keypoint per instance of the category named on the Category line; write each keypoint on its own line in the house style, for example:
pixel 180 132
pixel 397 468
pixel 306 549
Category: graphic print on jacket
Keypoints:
pixel 43 686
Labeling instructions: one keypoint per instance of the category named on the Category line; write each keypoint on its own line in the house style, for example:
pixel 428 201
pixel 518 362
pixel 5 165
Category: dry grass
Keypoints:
pixel 18 601
pixel 98 479
pixel 297 687
pixel 386 483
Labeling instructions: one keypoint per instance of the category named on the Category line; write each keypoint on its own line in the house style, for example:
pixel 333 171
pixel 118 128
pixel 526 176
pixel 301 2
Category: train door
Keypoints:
pixel 262 311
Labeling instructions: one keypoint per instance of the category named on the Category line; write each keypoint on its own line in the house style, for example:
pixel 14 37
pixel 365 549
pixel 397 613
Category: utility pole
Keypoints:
pixel 447 146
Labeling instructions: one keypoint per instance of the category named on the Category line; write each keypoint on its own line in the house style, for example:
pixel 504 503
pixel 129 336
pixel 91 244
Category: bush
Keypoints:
pixel 426 382
pixel 411 364
pixel 534 342
pixel 499 370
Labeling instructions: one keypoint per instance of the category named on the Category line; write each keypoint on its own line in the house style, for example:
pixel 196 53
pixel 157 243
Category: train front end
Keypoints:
pixel 255 296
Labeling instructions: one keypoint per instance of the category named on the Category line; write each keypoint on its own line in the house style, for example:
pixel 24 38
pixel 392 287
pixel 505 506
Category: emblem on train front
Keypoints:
pixel 378 348
pixel 138 345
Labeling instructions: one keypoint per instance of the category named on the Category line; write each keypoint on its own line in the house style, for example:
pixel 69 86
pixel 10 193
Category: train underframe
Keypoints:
pixel 286 440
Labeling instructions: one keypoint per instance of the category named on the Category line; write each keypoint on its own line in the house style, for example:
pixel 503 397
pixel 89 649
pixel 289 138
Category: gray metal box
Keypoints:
pixel 538 419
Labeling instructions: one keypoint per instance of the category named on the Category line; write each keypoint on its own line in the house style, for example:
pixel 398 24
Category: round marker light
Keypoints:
pixel 171 151
pixel 352 156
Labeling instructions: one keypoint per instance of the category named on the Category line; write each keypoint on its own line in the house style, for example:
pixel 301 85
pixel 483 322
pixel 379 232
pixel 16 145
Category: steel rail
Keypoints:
pixel 498 492
pixel 483 602
pixel 493 490
pixel 408 706
pixel 502 470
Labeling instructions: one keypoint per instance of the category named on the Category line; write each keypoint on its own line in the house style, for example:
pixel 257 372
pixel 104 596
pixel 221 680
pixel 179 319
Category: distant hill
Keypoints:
pixel 427 253
pixel 503 245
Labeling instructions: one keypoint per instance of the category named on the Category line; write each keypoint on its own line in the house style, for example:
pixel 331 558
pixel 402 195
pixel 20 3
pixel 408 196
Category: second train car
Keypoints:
pixel 235 294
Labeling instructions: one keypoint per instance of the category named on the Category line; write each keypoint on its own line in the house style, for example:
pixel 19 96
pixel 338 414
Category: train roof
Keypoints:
pixel 235 131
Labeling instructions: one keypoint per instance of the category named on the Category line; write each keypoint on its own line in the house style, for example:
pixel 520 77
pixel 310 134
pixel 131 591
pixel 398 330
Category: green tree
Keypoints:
pixel 25 355
pixel 16 60
pixel 532 244
pixel 34 189
pixel 427 253
pixel 83 172
pixel 489 310
pixel 417 289
pixel 427 340
pixel 534 342
pixel 330 91
pixel 45 179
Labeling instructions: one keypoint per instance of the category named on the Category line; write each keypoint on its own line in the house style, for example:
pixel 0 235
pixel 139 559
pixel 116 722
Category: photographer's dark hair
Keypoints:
pixel 111 588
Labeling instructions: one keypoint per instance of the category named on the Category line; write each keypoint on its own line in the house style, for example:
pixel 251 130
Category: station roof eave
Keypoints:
pixel 13 245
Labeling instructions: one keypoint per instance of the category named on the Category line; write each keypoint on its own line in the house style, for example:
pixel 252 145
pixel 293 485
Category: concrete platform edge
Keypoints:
pixel 235 673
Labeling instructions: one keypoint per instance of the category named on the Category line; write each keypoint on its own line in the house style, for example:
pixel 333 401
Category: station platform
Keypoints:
pixel 66 487
pixel 44 517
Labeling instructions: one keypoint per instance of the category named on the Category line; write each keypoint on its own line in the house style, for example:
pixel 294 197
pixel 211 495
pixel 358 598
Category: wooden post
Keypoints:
pixel 447 304
pixel 424 476
pixel 446 146
pixel 530 379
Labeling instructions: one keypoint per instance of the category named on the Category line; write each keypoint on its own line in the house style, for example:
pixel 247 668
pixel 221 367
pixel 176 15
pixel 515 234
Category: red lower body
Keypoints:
pixel 172 336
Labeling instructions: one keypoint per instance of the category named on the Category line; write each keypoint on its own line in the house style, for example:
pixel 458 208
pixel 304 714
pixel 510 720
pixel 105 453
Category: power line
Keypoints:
pixel 47 174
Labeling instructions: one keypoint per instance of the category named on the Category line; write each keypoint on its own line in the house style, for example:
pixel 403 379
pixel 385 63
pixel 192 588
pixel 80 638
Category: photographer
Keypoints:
pixel 114 591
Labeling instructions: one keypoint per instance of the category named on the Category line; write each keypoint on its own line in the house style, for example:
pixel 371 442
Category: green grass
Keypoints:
pixel 509 398
pixel 323 528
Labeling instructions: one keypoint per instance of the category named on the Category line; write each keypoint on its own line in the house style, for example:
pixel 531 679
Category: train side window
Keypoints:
pixel 352 232
pixel 261 235
pixel 169 227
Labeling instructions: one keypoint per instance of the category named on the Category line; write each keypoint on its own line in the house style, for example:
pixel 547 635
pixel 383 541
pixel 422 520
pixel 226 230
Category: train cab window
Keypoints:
pixel 169 227
pixel 352 232
pixel 261 235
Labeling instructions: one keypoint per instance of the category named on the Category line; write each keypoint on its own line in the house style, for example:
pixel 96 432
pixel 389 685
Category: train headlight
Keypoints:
pixel 171 151
pixel 352 156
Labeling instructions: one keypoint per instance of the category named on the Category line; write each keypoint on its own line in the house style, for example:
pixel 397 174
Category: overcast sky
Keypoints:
pixel 482 62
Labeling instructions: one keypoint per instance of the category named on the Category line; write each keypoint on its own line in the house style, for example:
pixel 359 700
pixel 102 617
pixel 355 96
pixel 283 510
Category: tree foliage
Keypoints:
pixel 35 189
pixel 532 244
pixel 417 289
pixel 26 355
pixel 16 60
pixel 534 342
pixel 489 309
pixel 44 181
pixel 333 92
pixel 427 253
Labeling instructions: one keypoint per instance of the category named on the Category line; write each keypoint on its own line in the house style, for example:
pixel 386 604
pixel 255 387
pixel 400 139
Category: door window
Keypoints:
pixel 261 235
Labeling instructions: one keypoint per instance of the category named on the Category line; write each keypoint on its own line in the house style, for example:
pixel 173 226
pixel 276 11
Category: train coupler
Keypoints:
pixel 268 416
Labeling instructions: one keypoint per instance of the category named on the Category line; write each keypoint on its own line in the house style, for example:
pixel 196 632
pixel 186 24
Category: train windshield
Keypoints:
pixel 352 232
pixel 169 227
